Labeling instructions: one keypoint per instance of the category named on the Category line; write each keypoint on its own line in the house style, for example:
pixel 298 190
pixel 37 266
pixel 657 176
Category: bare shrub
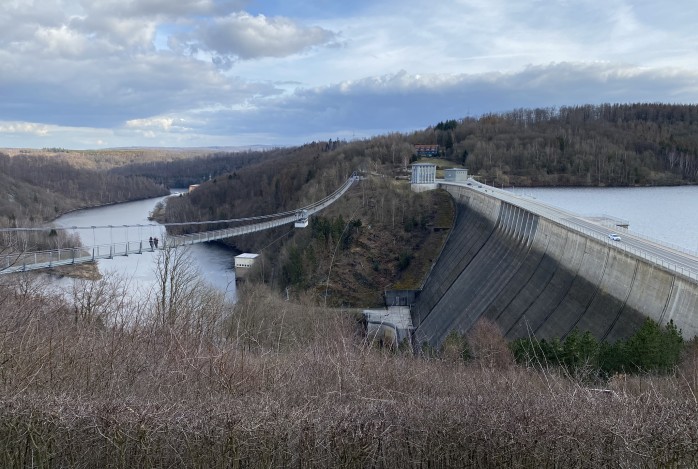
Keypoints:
pixel 182 301
pixel 455 347
pixel 262 319
pixel 688 367
pixel 488 346
pixel 24 287
pixel 99 301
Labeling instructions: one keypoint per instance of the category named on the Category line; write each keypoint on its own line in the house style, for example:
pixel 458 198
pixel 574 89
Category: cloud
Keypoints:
pixel 108 92
pixel 393 102
pixel 397 102
pixel 163 123
pixel 160 8
pixel 23 128
pixel 64 43
pixel 96 64
pixel 248 37
pixel 404 102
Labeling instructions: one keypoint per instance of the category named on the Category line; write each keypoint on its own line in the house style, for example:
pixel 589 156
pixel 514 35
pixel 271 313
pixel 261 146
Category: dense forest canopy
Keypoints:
pixel 39 188
pixel 592 145
pixel 182 172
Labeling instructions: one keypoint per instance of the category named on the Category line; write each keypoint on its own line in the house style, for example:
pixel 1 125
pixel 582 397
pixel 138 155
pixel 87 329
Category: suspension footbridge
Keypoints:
pixel 35 260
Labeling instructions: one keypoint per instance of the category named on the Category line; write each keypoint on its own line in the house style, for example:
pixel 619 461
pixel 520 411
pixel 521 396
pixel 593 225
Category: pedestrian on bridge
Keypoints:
pixel 150 240
pixel 155 240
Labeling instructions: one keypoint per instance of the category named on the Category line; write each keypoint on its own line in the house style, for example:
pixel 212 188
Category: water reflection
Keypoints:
pixel 214 261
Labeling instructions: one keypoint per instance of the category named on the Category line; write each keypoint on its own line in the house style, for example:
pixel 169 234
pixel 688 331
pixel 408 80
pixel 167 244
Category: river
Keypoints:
pixel 213 261
pixel 666 214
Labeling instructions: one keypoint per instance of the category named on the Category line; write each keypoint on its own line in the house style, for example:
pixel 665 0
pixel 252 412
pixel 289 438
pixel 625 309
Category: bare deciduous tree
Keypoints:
pixel 488 346
pixel 182 298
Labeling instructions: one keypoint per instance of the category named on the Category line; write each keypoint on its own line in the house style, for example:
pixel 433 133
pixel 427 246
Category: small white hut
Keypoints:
pixel 245 260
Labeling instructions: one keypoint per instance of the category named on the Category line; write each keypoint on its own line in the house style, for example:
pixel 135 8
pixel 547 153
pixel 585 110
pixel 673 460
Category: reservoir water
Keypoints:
pixel 213 261
pixel 666 214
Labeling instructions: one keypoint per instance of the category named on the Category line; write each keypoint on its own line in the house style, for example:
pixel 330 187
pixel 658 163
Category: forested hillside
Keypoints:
pixel 38 188
pixel 605 145
pixel 368 241
pixel 182 172
pixel 285 180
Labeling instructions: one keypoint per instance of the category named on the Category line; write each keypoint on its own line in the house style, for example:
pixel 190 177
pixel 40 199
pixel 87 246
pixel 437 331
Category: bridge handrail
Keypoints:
pixel 289 217
pixel 637 234
pixel 643 254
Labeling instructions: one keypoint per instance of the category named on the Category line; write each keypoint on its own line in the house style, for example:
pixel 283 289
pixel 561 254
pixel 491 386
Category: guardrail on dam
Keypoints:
pixel 536 270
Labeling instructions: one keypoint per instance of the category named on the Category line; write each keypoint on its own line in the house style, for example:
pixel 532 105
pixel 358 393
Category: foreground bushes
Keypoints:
pixel 277 385
pixel 526 426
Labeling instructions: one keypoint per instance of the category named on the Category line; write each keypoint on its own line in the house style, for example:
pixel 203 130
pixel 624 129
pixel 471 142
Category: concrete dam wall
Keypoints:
pixel 534 276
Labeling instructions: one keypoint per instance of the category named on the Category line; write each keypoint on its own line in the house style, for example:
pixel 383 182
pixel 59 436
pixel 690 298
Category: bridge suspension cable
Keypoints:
pixel 23 261
pixel 191 223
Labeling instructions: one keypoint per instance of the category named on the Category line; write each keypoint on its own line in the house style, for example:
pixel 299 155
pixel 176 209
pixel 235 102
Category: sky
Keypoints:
pixel 91 74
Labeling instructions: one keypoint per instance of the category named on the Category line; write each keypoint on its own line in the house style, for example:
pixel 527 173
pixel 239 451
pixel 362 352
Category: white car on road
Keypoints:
pixel 614 237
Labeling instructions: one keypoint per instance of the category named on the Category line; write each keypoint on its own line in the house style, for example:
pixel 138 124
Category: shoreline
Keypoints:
pixel 104 205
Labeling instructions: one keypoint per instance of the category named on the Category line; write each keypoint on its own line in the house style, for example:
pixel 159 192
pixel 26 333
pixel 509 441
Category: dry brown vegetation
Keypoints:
pixel 400 235
pixel 270 383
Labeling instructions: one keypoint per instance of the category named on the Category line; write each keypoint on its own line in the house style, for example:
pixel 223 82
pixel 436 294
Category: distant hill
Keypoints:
pixel 195 168
pixel 36 185
pixel 200 150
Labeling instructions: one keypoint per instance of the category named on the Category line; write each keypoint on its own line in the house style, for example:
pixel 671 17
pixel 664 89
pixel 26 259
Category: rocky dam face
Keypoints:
pixel 535 276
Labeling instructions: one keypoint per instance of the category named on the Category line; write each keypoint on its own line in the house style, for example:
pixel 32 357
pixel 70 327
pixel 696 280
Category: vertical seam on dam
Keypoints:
pixel 668 300
pixel 523 285
pixel 625 302
pixel 576 278
pixel 596 289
